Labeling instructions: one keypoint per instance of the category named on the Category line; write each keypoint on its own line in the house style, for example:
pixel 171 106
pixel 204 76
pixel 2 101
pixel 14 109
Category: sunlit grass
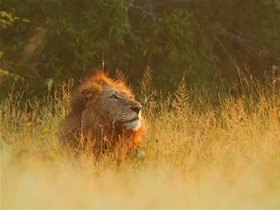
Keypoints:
pixel 197 155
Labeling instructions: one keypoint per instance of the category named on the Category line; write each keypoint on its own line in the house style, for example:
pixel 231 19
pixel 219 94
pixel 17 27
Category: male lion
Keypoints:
pixel 104 115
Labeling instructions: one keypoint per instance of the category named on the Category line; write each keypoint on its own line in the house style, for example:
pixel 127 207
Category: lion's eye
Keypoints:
pixel 114 97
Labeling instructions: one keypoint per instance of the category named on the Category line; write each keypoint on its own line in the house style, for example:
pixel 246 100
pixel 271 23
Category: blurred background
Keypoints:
pixel 46 42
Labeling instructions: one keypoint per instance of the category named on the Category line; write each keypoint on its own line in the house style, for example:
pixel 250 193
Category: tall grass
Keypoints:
pixel 197 155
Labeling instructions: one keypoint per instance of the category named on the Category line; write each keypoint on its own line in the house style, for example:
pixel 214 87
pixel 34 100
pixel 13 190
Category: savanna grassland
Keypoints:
pixel 198 154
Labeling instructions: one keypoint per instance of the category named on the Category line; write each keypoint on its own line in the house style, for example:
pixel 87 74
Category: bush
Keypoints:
pixel 62 39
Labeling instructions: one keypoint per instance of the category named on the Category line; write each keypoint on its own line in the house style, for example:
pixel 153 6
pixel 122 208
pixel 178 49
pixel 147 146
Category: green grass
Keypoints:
pixel 197 155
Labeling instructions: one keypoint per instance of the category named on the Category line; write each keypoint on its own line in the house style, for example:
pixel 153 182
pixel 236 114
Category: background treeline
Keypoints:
pixel 46 42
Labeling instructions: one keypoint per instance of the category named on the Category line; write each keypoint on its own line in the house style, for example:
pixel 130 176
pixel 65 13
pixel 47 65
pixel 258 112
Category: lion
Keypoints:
pixel 103 115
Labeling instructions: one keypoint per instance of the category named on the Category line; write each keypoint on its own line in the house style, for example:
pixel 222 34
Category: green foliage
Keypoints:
pixel 205 41
pixel 6 19
pixel 9 74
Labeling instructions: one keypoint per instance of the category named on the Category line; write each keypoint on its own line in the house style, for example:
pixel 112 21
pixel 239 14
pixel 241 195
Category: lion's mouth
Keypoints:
pixel 133 119
pixel 133 123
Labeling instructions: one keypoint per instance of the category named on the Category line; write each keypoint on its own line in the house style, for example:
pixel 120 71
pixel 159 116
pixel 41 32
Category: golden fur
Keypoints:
pixel 104 116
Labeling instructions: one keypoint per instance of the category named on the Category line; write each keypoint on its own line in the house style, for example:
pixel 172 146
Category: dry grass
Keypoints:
pixel 197 156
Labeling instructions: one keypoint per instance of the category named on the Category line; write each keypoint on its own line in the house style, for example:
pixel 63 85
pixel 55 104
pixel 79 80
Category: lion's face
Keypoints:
pixel 119 108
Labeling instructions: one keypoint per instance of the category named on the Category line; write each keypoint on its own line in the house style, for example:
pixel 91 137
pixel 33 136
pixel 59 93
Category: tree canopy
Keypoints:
pixel 203 41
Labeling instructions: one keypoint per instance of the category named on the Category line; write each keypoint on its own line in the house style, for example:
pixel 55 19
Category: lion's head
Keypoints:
pixel 105 113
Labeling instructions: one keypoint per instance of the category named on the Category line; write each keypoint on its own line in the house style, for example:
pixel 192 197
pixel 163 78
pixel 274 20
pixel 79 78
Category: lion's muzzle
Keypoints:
pixel 137 108
pixel 135 121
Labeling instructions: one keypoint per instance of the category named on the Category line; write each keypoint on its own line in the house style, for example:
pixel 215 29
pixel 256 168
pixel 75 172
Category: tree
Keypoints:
pixel 204 41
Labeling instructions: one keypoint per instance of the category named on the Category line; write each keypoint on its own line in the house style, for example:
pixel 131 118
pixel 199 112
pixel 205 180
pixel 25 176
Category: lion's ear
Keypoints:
pixel 90 91
pixel 88 94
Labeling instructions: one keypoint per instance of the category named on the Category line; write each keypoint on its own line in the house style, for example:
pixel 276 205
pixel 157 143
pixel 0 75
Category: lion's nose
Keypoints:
pixel 136 108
